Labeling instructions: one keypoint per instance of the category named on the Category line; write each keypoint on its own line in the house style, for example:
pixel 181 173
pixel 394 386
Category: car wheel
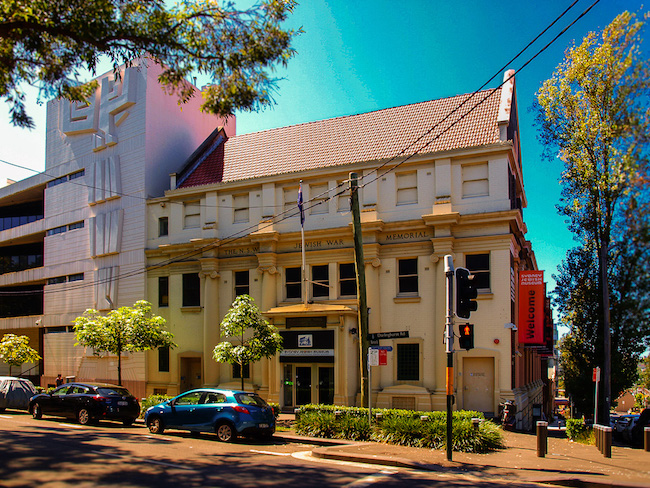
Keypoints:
pixel 155 425
pixel 37 411
pixel 226 432
pixel 128 422
pixel 83 416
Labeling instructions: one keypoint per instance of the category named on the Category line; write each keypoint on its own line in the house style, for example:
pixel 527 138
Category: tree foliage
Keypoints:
pixel 594 114
pixel 53 44
pixel 252 337
pixel 127 329
pixel 15 350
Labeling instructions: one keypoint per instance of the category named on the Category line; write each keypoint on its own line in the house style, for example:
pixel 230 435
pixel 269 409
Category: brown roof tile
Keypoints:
pixel 371 136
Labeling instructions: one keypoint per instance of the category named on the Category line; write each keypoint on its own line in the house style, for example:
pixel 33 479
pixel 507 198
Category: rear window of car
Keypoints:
pixel 248 399
pixel 113 391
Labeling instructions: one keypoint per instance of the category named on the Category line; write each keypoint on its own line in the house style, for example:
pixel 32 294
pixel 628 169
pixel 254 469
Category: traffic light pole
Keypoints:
pixel 449 341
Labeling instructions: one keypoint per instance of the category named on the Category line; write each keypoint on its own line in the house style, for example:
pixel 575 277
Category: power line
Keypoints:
pixel 316 198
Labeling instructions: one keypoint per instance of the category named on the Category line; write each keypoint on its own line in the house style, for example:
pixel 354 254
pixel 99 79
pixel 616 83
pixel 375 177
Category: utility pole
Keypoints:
pixel 361 288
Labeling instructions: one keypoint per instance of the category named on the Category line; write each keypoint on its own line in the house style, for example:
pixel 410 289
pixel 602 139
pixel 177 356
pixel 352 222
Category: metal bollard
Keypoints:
pixel 598 437
pixel 379 417
pixel 475 423
pixel 646 438
pixel 296 412
pixel 424 418
pixel 607 441
pixel 338 414
pixel 542 434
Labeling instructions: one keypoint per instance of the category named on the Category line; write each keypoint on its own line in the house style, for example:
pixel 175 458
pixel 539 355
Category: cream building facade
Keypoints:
pixel 72 238
pixel 435 179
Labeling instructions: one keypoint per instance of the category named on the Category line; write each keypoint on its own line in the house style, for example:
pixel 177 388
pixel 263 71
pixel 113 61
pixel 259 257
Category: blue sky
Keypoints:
pixel 366 55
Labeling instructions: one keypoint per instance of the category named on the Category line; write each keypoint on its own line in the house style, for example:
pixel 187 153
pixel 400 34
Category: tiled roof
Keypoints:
pixel 372 136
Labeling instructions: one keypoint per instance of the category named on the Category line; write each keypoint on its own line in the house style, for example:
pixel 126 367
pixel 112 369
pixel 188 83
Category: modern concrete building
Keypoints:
pixel 437 178
pixel 72 238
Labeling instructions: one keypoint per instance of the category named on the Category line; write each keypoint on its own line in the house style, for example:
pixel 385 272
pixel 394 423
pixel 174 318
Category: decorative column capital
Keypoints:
pixel 268 269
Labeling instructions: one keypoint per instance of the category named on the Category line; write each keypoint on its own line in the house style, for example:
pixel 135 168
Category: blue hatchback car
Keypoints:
pixel 227 413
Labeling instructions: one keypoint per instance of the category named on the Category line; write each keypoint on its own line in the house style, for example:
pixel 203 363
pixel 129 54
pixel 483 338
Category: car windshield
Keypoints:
pixel 250 399
pixel 112 391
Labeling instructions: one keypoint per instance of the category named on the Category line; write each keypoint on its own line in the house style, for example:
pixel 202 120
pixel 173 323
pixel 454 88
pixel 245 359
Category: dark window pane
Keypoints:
pixel 320 278
pixel 242 283
pixel 191 290
pixel 293 282
pixel 408 275
pixel 163 226
pixel 347 280
pixel 408 362
pixel 163 359
pixel 479 266
pixel 163 291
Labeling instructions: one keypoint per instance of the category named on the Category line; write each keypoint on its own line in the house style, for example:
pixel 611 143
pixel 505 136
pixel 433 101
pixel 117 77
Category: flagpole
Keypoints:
pixel 302 247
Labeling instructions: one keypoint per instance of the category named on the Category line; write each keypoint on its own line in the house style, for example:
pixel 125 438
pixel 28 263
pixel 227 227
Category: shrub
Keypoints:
pixel 150 401
pixel 403 427
pixel 578 431
pixel 276 409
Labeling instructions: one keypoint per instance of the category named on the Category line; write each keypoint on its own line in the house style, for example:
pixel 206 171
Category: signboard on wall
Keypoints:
pixel 531 307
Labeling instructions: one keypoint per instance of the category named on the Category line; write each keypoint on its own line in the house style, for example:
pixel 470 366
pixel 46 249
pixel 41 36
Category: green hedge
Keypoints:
pixel 578 431
pixel 403 427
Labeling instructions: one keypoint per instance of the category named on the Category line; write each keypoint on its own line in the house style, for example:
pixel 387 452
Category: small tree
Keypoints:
pixel 253 338
pixel 15 350
pixel 127 329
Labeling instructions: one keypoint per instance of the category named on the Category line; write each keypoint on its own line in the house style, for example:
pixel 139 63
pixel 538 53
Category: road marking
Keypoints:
pixel 270 453
pixel 157 438
pixel 307 456
pixel 5 417
pixel 72 426
pixel 369 480
pixel 142 460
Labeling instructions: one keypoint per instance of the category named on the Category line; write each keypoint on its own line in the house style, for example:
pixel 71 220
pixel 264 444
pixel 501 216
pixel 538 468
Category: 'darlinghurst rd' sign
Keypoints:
pixel 531 307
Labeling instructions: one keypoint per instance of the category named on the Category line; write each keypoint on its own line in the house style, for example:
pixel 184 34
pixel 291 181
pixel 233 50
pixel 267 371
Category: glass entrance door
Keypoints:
pixel 326 385
pixel 303 385
pixel 288 385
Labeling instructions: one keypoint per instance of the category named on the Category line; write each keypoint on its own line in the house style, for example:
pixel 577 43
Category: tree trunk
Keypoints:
pixel 241 374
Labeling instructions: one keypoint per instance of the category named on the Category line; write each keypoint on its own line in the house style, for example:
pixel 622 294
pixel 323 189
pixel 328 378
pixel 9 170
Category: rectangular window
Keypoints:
pixel 320 281
pixel 76 277
pixel 56 280
pixel 407 188
pixel 57 230
pixel 293 281
pixel 163 291
pixel 191 290
pixel 343 200
pixel 57 181
pixel 408 362
pixel 78 174
pixel 347 280
pixel 76 225
pixel 242 280
pixel 163 359
pixel 236 370
pixel 240 208
pixel 479 266
pixel 408 276
pixel 163 226
pixel 290 199
pixel 318 199
pixel 475 180
pixel 192 215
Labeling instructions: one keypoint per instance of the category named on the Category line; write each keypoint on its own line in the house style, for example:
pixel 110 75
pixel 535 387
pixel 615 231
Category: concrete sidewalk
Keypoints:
pixel 566 463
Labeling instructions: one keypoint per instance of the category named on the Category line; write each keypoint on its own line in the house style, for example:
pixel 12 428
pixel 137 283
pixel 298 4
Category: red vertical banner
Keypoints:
pixel 531 307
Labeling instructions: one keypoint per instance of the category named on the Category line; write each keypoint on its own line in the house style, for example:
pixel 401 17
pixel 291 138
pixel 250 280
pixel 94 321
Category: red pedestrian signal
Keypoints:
pixel 466 340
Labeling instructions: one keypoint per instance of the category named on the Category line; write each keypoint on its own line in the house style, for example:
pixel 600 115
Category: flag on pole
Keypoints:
pixel 300 207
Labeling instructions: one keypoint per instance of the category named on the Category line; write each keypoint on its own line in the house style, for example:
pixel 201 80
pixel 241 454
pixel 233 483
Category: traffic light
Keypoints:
pixel 465 293
pixel 466 340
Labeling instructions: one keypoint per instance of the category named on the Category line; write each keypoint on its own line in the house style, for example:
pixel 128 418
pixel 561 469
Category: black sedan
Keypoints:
pixel 87 402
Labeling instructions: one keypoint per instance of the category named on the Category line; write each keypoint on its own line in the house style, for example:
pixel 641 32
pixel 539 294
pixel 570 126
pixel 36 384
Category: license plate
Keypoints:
pixel 122 404
pixel 264 426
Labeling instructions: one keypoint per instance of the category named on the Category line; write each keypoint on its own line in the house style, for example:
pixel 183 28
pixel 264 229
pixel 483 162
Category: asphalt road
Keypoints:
pixel 55 452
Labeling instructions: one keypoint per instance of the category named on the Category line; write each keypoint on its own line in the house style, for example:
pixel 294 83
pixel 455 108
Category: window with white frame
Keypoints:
pixel 240 205
pixel 347 280
pixel 290 199
pixel 318 199
pixel 479 266
pixel 407 271
pixel 320 281
pixel 407 188
pixel 475 180
pixel 191 215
